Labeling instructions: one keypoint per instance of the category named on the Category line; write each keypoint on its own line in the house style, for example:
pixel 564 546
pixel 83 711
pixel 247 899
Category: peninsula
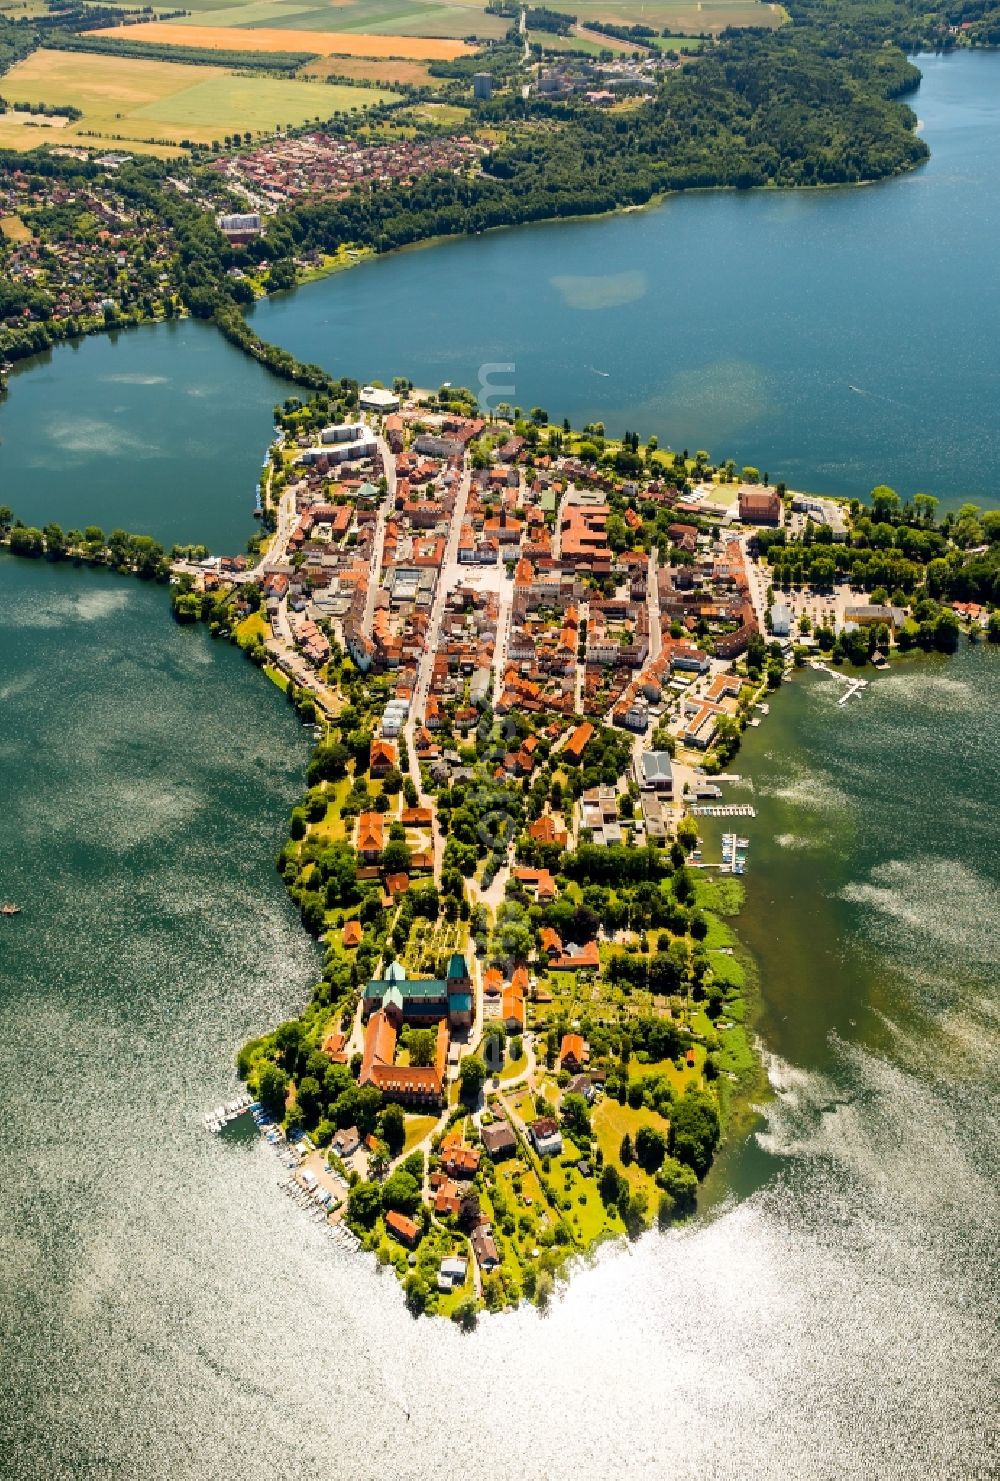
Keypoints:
pixel 528 655
pixel 527 652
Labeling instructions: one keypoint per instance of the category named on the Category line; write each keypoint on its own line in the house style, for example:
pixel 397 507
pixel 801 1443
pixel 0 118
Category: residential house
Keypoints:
pixel 484 1248
pixel 353 934
pixel 346 1142
pixel 402 1228
pixel 499 1140
pixel 451 1273
pixel 546 1136
pixel 573 1053
pixel 371 837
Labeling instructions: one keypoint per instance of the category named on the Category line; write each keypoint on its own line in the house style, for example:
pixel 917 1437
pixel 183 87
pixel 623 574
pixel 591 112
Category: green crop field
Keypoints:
pixel 138 102
pixel 448 18
pixel 682 17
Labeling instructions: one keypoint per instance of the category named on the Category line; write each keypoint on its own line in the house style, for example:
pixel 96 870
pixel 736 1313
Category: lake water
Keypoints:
pixel 838 339
pixel 160 430
pixel 165 1312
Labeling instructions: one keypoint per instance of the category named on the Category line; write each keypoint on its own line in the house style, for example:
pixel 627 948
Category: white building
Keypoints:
pixel 377 398
pixel 781 620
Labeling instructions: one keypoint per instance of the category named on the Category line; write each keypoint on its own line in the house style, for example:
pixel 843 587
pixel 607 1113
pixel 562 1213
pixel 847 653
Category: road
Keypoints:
pixel 425 670
pixel 653 607
pixel 580 669
pixel 385 509
pixel 506 600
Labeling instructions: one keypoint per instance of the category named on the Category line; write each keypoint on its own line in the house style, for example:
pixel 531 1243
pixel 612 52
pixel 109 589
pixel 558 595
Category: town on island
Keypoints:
pixel 526 655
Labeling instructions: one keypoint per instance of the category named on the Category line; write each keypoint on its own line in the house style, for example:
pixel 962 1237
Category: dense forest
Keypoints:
pixel 815 103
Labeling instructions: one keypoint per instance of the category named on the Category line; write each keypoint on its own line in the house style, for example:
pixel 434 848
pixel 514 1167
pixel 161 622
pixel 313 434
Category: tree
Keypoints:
pixel 417 1292
pixel 472 1076
pixel 392 1129
pixel 466 1314
pixel 469 1211
pixel 309 1099
pixel 396 857
pixel 625 1153
pixel 401 1192
pixel 633 1211
pixel 421 1045
pixel 650 1147
pixel 272 1088
pixel 610 1185
pixel 576 1117
pixel 364 1203
pixel 680 1182
pixel 694 1130
pixel 378 1159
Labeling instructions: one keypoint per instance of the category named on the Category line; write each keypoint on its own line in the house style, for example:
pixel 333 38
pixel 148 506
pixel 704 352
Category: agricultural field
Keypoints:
pixel 454 18
pixel 586 45
pixel 683 17
pixel 138 102
pixel 278 38
pixel 387 70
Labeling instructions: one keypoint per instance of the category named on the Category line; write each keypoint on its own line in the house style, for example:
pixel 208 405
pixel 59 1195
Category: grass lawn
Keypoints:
pixel 332 827
pixel 136 102
pixel 610 1122
pixel 417 1127
pixel 513 1067
pixel 441 115
pixel 253 626
pixel 14 229
pixel 276 677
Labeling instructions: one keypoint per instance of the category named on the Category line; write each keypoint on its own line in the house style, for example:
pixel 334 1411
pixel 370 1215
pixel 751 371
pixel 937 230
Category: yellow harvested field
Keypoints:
pixel 324 43
pixel 369 69
pixel 153 106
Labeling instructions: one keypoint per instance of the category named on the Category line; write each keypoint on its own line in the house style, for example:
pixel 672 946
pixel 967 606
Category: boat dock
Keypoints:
pixel 314 1185
pixel 734 853
pixel 724 810
pixel 231 1111
pixel 854 685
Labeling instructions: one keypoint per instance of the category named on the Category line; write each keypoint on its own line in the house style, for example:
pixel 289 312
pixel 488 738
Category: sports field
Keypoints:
pixel 125 100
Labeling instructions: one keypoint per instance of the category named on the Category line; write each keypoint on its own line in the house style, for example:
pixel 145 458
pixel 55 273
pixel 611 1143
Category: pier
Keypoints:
pixel 724 810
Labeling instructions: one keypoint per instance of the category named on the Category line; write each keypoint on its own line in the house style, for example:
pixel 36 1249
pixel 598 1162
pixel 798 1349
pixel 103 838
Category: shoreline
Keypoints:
pixel 739 1105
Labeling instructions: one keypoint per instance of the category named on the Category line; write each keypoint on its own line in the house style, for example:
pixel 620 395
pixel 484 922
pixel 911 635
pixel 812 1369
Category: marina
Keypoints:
pixel 221 1116
pixel 726 810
